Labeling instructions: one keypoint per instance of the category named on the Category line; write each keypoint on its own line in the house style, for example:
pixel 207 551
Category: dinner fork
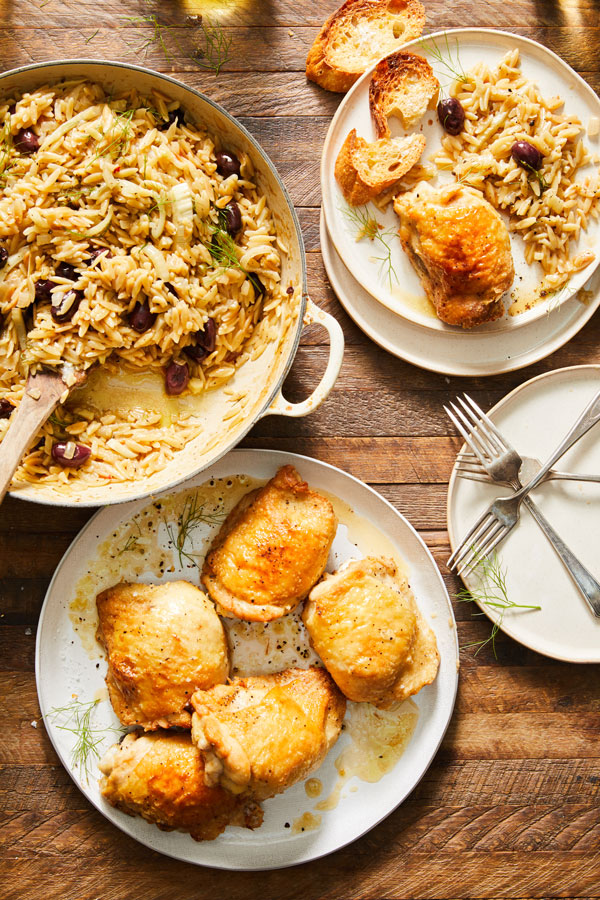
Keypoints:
pixel 503 463
pixel 470 467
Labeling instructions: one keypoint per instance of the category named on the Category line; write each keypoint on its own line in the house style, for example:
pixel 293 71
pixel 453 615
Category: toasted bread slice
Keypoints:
pixel 403 85
pixel 357 35
pixel 365 170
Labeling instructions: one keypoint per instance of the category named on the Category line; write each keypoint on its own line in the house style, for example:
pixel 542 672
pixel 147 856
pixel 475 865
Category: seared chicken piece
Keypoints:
pixel 364 624
pixel 162 643
pixel 161 778
pixel 460 248
pixel 272 548
pixel 262 734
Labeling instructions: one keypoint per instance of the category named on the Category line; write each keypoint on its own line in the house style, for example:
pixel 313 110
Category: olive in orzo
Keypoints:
pixel 26 141
pixel 6 408
pixel 204 342
pixel 66 270
pixel 233 218
pixel 140 317
pixel 65 307
pixel 451 115
pixel 69 454
pixel 42 289
pixel 176 378
pixel 526 155
pixel 3 257
pixel 227 163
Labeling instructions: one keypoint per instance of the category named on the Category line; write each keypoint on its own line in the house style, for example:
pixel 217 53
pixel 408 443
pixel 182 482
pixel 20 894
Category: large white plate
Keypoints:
pixel 406 298
pixel 534 418
pixel 452 353
pixel 65 668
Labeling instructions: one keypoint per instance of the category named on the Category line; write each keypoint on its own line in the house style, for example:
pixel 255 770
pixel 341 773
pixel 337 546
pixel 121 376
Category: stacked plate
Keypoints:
pixel 374 278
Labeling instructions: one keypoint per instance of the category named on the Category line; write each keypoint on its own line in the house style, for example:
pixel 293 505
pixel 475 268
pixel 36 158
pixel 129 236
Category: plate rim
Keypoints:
pixel 513 364
pixel 119 509
pixel 534 315
pixel 454 478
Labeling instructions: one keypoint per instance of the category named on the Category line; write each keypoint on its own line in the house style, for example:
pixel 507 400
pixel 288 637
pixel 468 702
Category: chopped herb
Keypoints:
pixel 192 515
pixel 92 36
pixel 491 592
pixel 217 46
pixel 130 544
pixel 366 226
pixel 444 58
pixel 211 54
pixel 77 717
pixel 118 145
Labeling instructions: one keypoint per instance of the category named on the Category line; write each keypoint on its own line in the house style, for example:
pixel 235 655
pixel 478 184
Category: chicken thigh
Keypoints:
pixel 271 549
pixel 364 624
pixel 160 777
pixel 262 734
pixel 162 643
pixel 460 248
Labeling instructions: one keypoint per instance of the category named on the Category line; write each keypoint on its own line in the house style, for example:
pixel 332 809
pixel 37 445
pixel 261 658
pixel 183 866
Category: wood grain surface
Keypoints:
pixel 510 806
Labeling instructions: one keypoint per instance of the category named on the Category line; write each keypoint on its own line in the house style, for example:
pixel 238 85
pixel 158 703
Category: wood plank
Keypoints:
pixel 253 48
pixel 45 788
pixel 371 866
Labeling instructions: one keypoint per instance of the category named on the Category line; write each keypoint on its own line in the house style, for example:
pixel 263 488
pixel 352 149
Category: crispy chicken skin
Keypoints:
pixel 162 643
pixel 460 248
pixel 364 624
pixel 262 734
pixel 160 777
pixel 272 548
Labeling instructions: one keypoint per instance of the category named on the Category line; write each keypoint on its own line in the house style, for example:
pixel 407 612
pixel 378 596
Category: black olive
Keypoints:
pixel 66 270
pixel 227 163
pixel 176 378
pixel 26 141
pixel 3 257
pixel 81 453
pixel 171 288
pixel 175 115
pixel 43 288
pixel 6 408
pixel 257 284
pixel 140 317
pixel 451 115
pixel 65 307
pixel 204 342
pixel 233 218
pixel 526 155
pixel 95 253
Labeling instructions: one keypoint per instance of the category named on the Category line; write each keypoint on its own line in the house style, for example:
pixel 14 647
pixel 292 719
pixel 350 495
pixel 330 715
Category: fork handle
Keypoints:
pixel 585 421
pixel 585 581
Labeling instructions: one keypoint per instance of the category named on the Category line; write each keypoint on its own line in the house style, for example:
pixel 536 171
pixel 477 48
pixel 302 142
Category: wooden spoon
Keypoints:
pixel 42 395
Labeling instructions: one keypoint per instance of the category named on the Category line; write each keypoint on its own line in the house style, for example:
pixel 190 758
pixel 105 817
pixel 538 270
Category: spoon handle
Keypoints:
pixel 26 421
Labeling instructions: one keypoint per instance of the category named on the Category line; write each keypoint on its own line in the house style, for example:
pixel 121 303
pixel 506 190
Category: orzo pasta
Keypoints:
pixel 127 238
pixel 548 207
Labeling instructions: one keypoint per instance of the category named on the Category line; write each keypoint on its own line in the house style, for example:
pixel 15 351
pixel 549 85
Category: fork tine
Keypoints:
pixel 478 423
pixel 488 422
pixel 482 524
pixel 492 537
pixel 474 467
pixel 470 550
pixel 466 432
pixel 468 475
pixel 492 542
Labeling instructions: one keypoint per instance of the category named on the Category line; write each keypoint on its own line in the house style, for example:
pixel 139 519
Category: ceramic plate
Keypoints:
pixel 462 47
pixel 534 418
pixel 130 542
pixel 473 353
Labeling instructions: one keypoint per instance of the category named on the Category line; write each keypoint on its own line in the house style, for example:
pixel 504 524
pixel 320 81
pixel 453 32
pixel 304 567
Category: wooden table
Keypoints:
pixel 510 806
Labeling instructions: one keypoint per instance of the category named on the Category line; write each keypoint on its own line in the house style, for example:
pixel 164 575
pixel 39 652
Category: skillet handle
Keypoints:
pixel 282 407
